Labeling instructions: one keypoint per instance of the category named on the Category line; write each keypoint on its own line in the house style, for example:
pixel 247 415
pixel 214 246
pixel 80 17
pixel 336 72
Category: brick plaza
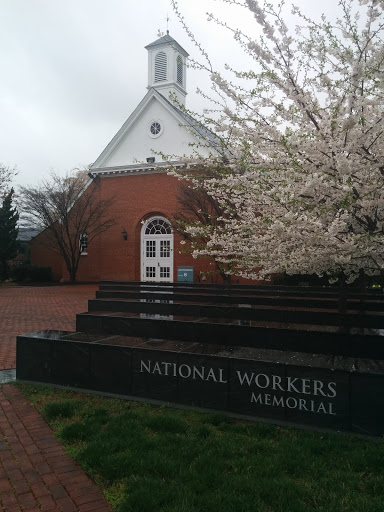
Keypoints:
pixel 25 309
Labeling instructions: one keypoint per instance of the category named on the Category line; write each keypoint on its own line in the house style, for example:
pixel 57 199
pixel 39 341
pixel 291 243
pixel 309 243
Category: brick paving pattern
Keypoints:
pixel 36 475
pixel 28 309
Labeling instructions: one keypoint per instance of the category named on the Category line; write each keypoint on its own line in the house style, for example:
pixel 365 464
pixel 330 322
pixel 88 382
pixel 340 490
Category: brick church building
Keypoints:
pixel 143 246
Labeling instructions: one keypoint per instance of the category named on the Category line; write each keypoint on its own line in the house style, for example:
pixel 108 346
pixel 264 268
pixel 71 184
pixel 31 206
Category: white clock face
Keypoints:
pixel 155 128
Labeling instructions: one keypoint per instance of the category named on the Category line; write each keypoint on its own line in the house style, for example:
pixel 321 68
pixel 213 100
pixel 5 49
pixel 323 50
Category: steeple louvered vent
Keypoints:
pixel 179 66
pixel 161 67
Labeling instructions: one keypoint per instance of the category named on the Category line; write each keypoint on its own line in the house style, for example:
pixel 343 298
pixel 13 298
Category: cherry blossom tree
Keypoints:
pixel 303 132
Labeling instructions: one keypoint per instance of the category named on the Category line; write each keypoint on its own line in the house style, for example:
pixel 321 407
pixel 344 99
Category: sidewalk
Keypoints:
pixel 35 472
pixel 36 475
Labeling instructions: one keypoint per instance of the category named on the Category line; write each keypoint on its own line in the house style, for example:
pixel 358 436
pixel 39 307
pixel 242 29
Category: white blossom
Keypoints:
pixel 304 140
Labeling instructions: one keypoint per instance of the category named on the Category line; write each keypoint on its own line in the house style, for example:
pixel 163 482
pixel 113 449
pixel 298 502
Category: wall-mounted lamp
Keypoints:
pixel 124 234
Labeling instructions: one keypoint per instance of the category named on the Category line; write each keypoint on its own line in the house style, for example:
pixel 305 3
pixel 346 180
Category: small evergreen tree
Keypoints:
pixel 8 234
pixel 6 177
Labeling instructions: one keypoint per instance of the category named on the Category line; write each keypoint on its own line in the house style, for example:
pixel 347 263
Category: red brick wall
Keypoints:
pixel 136 198
pixel 40 255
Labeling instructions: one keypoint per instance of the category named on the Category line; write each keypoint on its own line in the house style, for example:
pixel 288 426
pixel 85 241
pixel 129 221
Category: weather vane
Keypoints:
pixel 159 32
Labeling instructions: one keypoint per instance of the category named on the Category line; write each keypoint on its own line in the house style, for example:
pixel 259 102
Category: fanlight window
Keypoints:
pixel 158 227
pixel 179 67
pixel 160 67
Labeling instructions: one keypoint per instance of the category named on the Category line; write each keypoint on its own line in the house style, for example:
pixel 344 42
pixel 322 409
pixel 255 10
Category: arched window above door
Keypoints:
pixel 158 226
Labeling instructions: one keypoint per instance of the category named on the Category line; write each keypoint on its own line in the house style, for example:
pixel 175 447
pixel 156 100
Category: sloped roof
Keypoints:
pixel 165 40
pixel 182 118
pixel 201 130
pixel 26 234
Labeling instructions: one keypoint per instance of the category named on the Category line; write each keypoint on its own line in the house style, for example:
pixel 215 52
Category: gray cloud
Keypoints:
pixel 72 71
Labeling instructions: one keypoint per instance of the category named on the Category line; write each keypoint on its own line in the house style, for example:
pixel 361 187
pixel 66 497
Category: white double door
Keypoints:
pixel 157 258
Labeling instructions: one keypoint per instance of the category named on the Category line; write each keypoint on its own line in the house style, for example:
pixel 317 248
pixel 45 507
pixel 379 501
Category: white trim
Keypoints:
pixel 160 123
pixel 152 95
pixel 126 170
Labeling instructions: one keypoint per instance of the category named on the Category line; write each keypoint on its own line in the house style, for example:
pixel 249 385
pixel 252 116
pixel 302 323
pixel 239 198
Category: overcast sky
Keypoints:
pixel 72 71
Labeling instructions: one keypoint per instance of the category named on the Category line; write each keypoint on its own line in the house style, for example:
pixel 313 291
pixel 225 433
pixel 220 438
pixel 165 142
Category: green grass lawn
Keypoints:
pixel 151 459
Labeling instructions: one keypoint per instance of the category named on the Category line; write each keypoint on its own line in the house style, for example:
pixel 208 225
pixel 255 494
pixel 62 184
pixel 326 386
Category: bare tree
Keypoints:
pixel 70 211
pixel 198 214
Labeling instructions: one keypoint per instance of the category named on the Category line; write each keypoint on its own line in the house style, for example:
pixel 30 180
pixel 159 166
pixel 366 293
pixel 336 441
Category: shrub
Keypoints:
pixel 36 273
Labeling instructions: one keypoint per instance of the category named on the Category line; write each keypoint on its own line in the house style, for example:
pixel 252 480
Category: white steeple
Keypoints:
pixel 167 68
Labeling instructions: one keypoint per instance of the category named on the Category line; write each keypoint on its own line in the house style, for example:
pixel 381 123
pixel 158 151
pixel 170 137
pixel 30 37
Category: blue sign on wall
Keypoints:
pixel 185 274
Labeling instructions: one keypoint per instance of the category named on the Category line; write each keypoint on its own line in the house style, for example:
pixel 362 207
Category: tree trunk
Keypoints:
pixel 3 270
pixel 363 291
pixel 342 304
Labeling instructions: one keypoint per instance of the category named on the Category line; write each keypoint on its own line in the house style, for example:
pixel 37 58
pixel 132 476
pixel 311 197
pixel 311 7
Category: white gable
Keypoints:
pixel 134 142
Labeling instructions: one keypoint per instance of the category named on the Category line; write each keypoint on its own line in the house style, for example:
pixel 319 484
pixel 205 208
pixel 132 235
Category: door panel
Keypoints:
pixel 158 264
